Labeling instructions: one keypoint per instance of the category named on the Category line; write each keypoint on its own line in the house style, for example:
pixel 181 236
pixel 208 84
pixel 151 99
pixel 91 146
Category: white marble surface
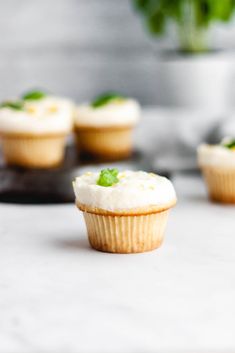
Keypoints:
pixel 57 295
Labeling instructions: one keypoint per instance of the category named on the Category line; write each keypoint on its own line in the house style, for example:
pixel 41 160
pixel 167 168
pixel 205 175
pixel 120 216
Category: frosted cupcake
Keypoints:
pixel 33 129
pixel 124 212
pixel 104 127
pixel 217 163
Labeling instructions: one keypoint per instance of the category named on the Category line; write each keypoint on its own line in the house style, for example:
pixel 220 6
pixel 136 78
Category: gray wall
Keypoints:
pixel 78 48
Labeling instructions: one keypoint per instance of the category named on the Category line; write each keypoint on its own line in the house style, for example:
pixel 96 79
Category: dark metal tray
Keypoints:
pixel 19 185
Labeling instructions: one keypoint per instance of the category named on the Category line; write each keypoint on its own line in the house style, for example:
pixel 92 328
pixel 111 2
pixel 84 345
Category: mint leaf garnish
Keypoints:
pixel 106 98
pixel 230 144
pixel 16 105
pixel 108 177
pixel 34 95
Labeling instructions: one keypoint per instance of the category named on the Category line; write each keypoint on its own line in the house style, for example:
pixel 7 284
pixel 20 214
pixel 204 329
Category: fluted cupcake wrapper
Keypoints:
pixel 33 151
pixel 126 234
pixel 112 143
pixel 220 183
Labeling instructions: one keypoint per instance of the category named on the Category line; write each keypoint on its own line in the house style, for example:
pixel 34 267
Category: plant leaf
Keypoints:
pixel 106 98
pixel 108 177
pixel 230 144
pixel 34 95
pixel 16 105
pixel 191 17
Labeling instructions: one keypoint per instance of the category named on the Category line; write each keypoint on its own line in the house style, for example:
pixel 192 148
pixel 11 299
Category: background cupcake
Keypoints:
pixel 104 127
pixel 33 129
pixel 124 212
pixel 217 163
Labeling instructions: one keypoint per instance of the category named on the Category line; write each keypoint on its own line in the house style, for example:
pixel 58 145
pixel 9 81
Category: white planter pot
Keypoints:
pixel 195 81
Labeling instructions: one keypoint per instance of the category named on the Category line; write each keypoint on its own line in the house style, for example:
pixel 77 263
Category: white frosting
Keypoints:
pixel 116 113
pixel 134 189
pixel 47 115
pixel 216 156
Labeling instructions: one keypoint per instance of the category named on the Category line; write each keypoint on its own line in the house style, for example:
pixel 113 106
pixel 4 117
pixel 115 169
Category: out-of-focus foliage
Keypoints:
pixel 191 16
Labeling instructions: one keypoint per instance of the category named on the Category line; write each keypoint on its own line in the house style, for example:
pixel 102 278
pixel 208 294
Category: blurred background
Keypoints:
pixel 79 48
pixel 175 57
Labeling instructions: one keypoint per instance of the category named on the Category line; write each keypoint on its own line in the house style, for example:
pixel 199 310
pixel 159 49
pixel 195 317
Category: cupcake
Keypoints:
pixel 124 212
pixel 33 129
pixel 104 127
pixel 217 163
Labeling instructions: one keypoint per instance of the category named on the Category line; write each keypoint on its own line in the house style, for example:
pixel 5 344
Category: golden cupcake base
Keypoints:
pixel 105 143
pixel 136 232
pixel 33 151
pixel 220 183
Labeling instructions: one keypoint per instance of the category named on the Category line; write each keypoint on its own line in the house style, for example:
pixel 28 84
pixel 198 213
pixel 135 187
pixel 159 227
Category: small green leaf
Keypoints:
pixel 106 98
pixel 16 105
pixel 34 95
pixel 230 144
pixel 108 177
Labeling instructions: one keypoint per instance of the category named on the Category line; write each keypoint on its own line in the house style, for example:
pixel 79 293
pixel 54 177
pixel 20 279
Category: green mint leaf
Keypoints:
pixel 34 95
pixel 106 98
pixel 16 105
pixel 108 177
pixel 230 144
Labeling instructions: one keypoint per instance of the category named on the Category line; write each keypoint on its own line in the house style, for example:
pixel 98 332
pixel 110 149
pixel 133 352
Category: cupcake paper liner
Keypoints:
pixel 110 143
pixel 126 233
pixel 220 183
pixel 33 151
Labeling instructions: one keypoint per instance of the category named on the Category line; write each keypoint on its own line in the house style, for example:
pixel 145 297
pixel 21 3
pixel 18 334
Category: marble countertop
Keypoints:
pixel 57 295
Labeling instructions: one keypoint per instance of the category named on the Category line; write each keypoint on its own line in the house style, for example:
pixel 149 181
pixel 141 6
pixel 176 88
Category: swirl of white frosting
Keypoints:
pixel 216 156
pixel 48 115
pixel 134 190
pixel 125 112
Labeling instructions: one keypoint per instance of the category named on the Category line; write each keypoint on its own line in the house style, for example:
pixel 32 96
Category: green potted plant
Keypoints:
pixel 196 75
